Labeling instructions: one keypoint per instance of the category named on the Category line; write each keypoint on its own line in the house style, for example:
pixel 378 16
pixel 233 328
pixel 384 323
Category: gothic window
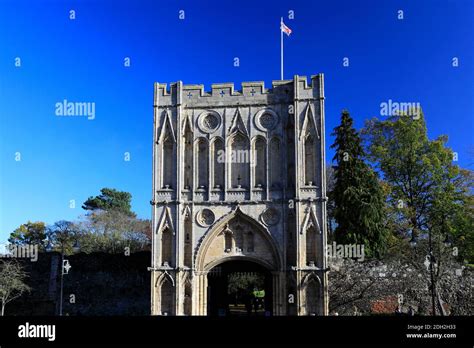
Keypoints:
pixel 239 238
pixel 290 151
pixel 166 246
pixel 240 161
pixel 188 246
pixel 310 133
pixel 312 297
pixel 291 250
pixel 250 241
pixel 218 161
pixel 275 163
pixel 187 299
pixel 188 158
pixel 168 162
pixel 203 163
pixel 260 162
pixel 228 241
pixel 167 297
pixel 311 245
pixel 310 160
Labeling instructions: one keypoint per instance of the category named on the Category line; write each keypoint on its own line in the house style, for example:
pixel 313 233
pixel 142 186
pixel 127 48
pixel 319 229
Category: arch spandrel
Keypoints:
pixel 212 250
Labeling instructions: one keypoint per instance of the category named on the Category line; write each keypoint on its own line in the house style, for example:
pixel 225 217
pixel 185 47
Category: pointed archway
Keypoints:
pixel 237 237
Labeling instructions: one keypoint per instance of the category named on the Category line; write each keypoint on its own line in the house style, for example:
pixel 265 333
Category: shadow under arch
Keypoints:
pixel 239 286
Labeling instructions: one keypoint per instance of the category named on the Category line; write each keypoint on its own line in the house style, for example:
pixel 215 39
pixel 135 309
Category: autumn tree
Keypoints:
pixel 111 225
pixel 63 235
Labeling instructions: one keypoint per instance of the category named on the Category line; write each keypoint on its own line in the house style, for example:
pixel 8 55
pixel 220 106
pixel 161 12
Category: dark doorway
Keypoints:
pixel 239 288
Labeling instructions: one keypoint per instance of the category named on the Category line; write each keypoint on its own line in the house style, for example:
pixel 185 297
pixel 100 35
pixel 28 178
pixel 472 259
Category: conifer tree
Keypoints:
pixel 359 202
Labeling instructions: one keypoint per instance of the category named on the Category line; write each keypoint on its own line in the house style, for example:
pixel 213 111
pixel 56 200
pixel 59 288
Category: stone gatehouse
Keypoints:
pixel 239 180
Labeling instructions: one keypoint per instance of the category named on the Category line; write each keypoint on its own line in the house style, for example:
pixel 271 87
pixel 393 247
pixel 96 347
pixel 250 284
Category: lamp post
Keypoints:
pixel 65 267
pixel 61 234
pixel 62 280
pixel 49 248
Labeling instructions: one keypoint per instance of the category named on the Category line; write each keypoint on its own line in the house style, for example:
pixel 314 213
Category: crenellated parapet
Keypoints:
pixel 250 93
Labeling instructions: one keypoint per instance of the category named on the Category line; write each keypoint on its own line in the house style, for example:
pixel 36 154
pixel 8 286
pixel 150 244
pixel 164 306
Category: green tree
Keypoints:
pixel 430 197
pixel 357 195
pixel 400 148
pixel 110 200
pixel 463 220
pixel 428 193
pixel 31 233
pixel 330 204
pixel 241 282
pixel 451 214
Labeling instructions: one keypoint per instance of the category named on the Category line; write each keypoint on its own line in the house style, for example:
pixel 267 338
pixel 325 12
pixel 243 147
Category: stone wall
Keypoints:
pixel 102 284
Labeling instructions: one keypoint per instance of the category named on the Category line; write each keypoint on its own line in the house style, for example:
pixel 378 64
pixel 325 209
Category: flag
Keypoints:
pixel 285 29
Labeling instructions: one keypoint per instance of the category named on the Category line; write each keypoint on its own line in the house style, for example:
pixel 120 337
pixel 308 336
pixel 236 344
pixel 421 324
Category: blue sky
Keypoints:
pixel 71 158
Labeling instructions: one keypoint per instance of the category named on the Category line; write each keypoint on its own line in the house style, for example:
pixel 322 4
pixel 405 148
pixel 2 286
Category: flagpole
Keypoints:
pixel 281 46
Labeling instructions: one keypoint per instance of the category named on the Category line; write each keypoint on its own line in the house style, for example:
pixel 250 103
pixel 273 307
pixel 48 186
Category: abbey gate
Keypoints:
pixel 239 189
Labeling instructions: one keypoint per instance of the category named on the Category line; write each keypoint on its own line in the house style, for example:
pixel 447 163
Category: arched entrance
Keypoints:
pixel 239 288
pixel 235 249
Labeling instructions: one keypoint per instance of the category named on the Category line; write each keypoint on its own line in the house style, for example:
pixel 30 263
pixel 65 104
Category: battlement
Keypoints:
pixel 252 89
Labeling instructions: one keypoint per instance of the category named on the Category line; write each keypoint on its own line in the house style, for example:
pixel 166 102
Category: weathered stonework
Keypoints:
pixel 239 175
